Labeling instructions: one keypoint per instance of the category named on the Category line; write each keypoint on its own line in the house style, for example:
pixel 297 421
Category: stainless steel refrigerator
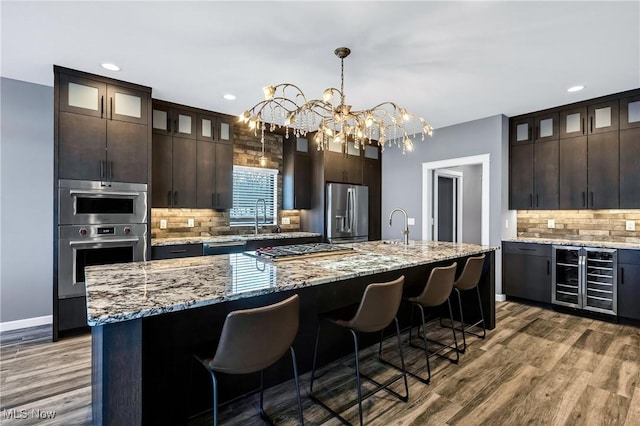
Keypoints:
pixel 347 213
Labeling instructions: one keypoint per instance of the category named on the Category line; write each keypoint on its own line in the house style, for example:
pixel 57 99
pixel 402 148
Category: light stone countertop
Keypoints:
pixel 230 238
pixel 127 291
pixel 579 243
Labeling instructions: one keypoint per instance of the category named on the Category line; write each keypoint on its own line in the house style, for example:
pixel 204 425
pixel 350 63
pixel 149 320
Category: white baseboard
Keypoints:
pixel 501 297
pixel 26 323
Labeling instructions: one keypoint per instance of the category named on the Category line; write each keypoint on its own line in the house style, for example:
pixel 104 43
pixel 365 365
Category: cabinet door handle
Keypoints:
pixel 110 170
pixel 530 135
pixel 175 198
pixel 168 124
pixel 101 169
pixel 111 108
pixel 548 267
pixel 537 201
pixel 101 106
pixel 584 200
pixel 622 276
pixel 530 200
pixel 591 124
pixel 178 251
pixel 169 198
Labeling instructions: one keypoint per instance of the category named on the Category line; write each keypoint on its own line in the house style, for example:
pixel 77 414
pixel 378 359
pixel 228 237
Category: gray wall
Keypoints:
pixel 402 175
pixel 471 202
pixel 26 206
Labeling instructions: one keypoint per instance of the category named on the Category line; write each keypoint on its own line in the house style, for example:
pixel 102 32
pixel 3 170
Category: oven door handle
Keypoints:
pixel 104 193
pixel 104 242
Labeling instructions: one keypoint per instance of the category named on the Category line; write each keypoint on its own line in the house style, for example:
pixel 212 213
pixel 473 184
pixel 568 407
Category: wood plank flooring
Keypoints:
pixel 538 367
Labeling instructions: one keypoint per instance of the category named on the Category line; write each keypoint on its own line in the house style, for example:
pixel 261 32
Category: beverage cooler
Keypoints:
pixel 585 278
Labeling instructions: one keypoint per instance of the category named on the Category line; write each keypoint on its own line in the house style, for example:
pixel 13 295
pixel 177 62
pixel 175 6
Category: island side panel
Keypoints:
pixel 116 373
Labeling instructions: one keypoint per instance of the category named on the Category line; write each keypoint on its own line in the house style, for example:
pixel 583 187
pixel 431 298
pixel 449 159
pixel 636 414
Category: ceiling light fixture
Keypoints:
pixel 333 123
pixel 575 89
pixel 109 66
pixel 229 97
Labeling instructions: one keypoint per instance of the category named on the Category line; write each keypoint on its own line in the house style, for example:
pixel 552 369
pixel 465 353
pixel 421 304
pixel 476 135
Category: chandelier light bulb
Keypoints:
pixel 285 105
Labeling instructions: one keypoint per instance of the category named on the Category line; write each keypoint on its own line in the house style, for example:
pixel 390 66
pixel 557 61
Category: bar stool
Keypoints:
pixel 377 309
pixel 252 340
pixel 469 280
pixel 435 293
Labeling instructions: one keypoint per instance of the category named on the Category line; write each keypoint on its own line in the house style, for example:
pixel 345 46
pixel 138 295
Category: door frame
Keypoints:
pixel 457 178
pixel 427 189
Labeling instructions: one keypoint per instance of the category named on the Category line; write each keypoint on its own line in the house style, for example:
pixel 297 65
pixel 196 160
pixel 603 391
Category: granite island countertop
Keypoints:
pixel 127 291
pixel 231 238
pixel 568 242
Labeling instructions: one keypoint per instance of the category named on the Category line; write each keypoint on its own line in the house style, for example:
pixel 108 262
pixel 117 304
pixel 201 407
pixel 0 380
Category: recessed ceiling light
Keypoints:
pixel 575 89
pixel 109 66
pixel 229 97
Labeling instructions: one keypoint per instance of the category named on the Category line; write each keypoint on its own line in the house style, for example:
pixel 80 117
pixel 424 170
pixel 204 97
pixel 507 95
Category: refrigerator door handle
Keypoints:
pixel 350 205
pixel 582 280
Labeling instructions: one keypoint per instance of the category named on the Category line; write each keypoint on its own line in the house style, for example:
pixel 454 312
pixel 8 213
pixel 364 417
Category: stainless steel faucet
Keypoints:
pixel 264 204
pixel 406 223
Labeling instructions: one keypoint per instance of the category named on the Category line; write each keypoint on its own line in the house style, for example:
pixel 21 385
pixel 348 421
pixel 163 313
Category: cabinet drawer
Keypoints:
pixel 629 256
pixel 531 249
pixel 256 244
pixel 176 251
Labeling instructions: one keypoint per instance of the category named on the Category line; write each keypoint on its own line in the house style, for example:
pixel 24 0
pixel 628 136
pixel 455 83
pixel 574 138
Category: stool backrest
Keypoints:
pixel 378 307
pixel 470 276
pixel 253 339
pixel 439 286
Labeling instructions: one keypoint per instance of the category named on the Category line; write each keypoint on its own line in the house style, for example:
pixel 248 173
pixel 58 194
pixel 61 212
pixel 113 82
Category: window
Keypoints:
pixel 249 185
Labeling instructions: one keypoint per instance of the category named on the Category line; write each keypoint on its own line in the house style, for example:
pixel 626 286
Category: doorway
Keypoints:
pixel 481 163
pixel 447 205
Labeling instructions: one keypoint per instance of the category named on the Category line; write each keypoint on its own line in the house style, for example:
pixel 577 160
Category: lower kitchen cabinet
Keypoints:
pixel 526 271
pixel 629 284
pixel 176 251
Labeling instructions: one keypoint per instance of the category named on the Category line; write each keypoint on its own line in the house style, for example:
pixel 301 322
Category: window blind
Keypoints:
pixel 249 185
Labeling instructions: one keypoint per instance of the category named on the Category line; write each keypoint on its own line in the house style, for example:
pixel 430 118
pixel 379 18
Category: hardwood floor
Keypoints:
pixel 538 367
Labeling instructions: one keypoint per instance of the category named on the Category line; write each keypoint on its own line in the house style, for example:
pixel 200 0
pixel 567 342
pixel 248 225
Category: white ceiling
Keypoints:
pixel 449 62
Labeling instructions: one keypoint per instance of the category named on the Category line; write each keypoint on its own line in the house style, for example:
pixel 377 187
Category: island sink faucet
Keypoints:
pixel 264 205
pixel 406 223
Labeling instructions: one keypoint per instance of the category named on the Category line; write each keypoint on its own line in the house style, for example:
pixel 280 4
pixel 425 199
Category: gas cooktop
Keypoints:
pixel 300 250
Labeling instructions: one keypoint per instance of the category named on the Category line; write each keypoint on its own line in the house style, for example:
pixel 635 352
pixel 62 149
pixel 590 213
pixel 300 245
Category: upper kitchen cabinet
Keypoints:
pixel 372 178
pixel 586 152
pixel 296 178
pixel 214 163
pixel 629 112
pixel 102 130
pixel 533 173
pixel 342 163
pixel 174 121
pixel 192 158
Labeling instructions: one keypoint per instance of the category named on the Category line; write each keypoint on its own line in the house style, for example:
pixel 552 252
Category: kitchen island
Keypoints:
pixel 149 318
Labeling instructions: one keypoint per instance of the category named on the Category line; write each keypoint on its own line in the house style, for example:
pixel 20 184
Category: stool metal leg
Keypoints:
pixel 215 397
pixel 357 359
pixel 315 356
pixel 453 330
pixel 404 369
pixel 295 376
pixel 464 340
pixel 484 328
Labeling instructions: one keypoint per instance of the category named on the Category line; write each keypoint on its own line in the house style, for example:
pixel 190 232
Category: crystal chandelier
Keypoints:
pixel 285 105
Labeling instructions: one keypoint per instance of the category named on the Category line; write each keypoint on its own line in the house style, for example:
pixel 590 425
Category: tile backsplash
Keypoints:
pixel 580 225
pixel 247 151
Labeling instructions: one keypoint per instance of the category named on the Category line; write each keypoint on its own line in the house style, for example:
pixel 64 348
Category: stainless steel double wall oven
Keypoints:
pixel 97 225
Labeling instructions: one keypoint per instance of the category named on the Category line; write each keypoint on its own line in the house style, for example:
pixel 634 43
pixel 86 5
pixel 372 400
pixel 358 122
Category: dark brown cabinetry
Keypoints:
pixel 176 251
pixel 343 164
pixel 629 284
pixel 526 271
pixel 372 177
pixel 584 155
pixel 534 162
pixel 192 158
pixel 296 180
pixel 629 152
pixel 102 128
